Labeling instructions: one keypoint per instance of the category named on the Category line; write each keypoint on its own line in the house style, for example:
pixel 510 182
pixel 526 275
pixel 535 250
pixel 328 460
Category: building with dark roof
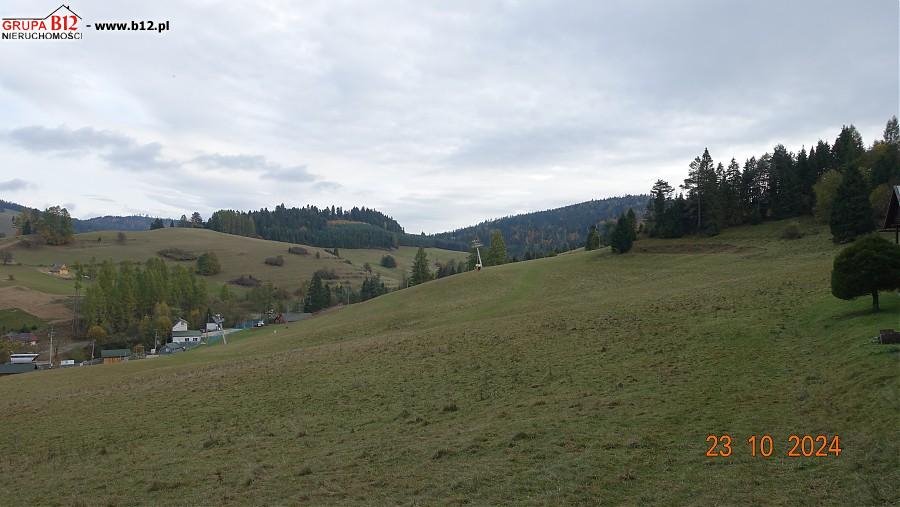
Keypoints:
pixel 110 356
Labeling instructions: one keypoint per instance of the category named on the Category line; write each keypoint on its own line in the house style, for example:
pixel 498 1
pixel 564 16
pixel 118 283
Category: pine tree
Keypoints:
pixel 851 212
pixel 318 295
pixel 847 147
pixel 620 239
pixel 496 254
pixel 660 195
pixel 593 239
pixel 420 272
pixel 892 131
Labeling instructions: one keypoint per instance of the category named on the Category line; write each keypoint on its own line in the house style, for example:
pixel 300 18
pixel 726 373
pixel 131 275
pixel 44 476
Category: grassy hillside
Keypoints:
pixel 584 378
pixel 238 255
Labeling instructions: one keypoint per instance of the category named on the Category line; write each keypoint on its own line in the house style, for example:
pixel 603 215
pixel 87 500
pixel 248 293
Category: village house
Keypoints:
pixel 111 356
pixel 216 324
pixel 29 339
pixel 59 270
pixel 181 325
pixel 186 336
pixel 19 363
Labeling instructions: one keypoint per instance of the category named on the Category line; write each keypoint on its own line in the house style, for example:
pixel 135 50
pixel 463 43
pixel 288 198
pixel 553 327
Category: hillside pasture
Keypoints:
pixel 580 379
pixel 238 256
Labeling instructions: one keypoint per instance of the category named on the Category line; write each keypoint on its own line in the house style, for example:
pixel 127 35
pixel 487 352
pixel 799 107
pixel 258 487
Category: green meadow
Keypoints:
pixel 238 256
pixel 583 378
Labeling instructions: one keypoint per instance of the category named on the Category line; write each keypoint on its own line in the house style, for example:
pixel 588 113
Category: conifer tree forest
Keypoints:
pixel 844 185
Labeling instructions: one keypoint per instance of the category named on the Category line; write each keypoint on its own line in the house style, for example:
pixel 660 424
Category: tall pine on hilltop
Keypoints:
pixel 420 272
pixel 851 212
pixel 497 252
pixel 621 238
pixel 593 239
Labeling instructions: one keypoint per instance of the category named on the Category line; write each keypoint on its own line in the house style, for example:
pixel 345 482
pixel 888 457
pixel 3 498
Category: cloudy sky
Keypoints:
pixel 441 114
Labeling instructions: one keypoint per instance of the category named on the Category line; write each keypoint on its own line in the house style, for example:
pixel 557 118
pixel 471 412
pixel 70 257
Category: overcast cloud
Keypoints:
pixel 441 114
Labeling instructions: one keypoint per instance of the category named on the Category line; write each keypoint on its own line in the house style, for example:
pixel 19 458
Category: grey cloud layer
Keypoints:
pixel 14 185
pixel 402 100
pixel 119 150
pixel 123 152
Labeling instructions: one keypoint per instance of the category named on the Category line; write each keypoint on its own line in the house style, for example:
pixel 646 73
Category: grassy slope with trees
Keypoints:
pixel 238 255
pixel 580 378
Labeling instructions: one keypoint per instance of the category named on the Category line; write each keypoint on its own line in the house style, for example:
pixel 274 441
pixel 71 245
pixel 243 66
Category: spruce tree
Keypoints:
pixel 620 239
pixel 420 272
pixel 631 220
pixel 851 212
pixel 593 239
pixel 496 254
pixel 318 295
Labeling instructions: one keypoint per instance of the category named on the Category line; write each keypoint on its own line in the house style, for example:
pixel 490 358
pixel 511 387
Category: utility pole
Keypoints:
pixel 51 346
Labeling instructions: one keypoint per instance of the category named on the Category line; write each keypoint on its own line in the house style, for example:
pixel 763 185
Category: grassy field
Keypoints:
pixel 584 378
pixel 238 255
pixel 33 278
pixel 13 319
pixel 404 257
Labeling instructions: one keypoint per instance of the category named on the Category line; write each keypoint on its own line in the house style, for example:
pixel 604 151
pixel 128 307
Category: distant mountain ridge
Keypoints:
pixel 540 232
pixel 114 223
pixel 537 232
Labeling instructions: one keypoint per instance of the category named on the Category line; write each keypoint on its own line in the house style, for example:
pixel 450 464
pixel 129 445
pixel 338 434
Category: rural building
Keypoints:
pixel 186 336
pixel 59 270
pixel 22 358
pixel 114 355
pixel 22 338
pixel 19 363
pixel 217 323
pixel 892 217
pixel 181 325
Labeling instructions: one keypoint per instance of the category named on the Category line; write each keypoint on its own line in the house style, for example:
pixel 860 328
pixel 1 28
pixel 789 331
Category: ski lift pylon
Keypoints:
pixel 476 245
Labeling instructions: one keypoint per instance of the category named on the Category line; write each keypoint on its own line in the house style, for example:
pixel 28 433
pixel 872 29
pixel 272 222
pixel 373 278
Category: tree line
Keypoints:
pixel 133 300
pixel 843 184
pixel 53 225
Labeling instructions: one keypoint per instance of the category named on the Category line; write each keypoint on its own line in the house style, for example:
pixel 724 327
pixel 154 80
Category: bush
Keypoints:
pixel 326 274
pixel 275 261
pixel 208 264
pixel 389 261
pixel 177 254
pixel 298 250
pixel 32 242
pixel 246 281
pixel 791 232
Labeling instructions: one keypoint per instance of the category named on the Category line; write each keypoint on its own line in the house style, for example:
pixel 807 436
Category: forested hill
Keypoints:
pixel 106 223
pixel 310 225
pixel 113 223
pixel 544 231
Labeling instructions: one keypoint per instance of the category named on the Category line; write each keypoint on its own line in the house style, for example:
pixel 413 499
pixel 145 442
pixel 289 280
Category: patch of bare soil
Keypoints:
pixel 43 306
pixel 695 248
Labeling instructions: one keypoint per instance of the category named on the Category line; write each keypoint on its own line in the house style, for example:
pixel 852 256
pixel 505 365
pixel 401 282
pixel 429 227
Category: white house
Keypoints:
pixel 217 323
pixel 181 325
pixel 186 336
